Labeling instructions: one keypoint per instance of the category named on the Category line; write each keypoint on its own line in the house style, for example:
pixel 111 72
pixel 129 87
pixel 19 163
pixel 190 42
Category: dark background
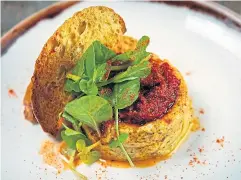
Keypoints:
pixel 13 12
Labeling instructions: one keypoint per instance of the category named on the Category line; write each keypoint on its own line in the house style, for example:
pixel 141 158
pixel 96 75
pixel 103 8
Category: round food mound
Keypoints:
pixel 158 94
pixel 156 123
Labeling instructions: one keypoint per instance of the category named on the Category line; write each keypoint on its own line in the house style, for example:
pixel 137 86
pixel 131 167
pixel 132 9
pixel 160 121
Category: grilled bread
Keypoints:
pixel 61 53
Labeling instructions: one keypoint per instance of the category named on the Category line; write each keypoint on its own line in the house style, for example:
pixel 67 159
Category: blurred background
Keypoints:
pixel 13 12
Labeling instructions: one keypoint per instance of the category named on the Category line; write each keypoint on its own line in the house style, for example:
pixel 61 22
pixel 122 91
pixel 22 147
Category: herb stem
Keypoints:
pixel 83 177
pixel 73 77
pixel 127 155
pixel 120 144
pixel 72 168
pixel 121 67
pixel 105 82
pixel 88 149
pixel 117 123
pixel 93 145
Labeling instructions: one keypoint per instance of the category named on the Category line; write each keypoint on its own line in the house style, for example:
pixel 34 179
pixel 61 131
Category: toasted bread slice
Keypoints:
pixel 61 53
pixel 28 112
pixel 124 44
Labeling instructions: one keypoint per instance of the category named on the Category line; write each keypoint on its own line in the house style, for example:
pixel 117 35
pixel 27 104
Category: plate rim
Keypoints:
pixel 227 16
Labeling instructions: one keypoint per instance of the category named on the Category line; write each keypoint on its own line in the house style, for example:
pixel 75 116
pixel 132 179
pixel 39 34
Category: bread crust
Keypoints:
pixel 157 138
pixel 60 54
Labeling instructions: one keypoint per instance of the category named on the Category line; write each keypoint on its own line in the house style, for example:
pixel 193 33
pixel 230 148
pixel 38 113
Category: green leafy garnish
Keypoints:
pixel 92 65
pixel 71 86
pixel 85 154
pixel 130 90
pixel 79 68
pixel 119 141
pixel 116 143
pixel 90 110
pixel 137 71
pixel 88 87
pixel 102 53
pixel 140 70
pixel 71 136
pixel 138 54
pixel 74 121
pixel 107 94
pixel 126 93
pixel 102 80
pixel 102 72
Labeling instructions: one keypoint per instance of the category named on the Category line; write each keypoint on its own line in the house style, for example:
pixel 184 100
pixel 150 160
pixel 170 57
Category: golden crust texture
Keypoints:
pixel 154 139
pixel 157 138
pixel 123 44
pixel 60 54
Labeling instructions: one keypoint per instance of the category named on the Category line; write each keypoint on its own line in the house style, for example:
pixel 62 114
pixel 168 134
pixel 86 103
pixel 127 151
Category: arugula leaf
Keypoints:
pixel 116 143
pixel 90 110
pixel 78 70
pixel 71 85
pixel 81 146
pixel 102 72
pixel 88 66
pixel 123 95
pixel 85 154
pixel 126 93
pixel 102 53
pixel 140 70
pixel 71 136
pixel 107 94
pixel 123 57
pixel 69 118
pixel 96 55
pixel 143 43
pixel 123 137
pixel 88 87
pixel 71 139
pixel 70 132
pixel 89 61
pixel 138 54
pixel 90 157
pixel 76 124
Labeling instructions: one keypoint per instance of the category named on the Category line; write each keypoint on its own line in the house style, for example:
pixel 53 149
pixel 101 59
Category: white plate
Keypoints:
pixel 193 42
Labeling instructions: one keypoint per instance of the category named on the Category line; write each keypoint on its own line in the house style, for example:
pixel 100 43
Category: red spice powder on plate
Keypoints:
pixel 220 141
pixel 188 73
pixel 201 111
pixel 12 93
pixel 201 149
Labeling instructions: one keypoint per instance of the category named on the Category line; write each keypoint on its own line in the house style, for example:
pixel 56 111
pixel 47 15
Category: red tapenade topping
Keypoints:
pixel 158 94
